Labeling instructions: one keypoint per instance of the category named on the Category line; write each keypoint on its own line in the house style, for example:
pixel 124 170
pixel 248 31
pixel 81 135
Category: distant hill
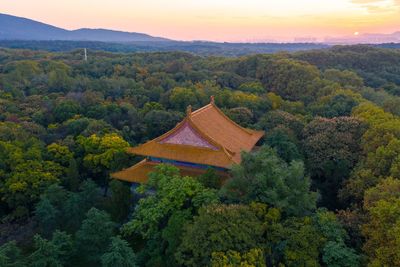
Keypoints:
pixel 199 48
pixel 17 28
pixel 22 33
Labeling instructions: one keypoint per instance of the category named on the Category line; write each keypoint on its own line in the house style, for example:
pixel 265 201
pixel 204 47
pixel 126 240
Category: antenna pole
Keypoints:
pixel 85 54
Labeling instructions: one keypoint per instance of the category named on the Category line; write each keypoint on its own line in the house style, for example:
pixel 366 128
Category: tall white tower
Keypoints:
pixel 85 58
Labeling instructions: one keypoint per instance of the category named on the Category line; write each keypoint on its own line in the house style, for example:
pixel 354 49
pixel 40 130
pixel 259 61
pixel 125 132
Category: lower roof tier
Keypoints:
pixel 139 173
pixel 198 155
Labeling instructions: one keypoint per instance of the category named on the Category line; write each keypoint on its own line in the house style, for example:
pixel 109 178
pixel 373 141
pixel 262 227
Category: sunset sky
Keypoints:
pixel 217 20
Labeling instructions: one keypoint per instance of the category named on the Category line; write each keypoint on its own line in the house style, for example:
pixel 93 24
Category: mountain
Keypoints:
pixel 17 28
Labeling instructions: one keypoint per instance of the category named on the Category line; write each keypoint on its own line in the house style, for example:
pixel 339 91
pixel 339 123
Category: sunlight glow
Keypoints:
pixel 221 20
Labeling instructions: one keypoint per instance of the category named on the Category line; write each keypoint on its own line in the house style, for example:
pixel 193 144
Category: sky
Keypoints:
pixel 218 20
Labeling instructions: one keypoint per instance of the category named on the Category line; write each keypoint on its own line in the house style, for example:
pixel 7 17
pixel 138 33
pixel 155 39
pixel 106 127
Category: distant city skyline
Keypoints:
pixel 221 20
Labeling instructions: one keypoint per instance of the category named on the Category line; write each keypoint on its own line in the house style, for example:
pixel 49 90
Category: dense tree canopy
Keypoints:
pixel 320 189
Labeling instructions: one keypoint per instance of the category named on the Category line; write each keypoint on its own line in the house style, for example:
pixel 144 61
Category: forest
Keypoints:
pixel 323 189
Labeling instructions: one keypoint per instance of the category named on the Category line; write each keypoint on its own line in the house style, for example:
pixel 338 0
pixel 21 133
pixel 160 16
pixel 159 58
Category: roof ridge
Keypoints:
pixel 212 104
pixel 201 109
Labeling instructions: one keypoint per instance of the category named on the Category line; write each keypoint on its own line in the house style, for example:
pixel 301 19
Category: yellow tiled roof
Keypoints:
pixel 210 123
pixel 139 172
pixel 215 124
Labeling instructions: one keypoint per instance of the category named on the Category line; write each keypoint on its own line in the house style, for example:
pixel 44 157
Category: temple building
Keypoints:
pixel 205 138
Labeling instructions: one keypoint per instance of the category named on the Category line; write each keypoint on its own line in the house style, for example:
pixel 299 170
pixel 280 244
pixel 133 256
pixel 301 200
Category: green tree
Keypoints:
pixel 340 103
pixel 335 252
pixel 10 255
pixel 20 77
pixel 332 149
pixel 219 228
pixel 276 118
pixel 380 144
pixel 27 182
pixel 382 203
pixel 58 76
pixel 159 217
pixel 252 258
pixel 64 245
pixel 51 253
pixel 120 201
pixel 264 177
pixel 60 154
pixel 173 193
pixel 47 216
pixel 210 179
pixel 72 177
pixel 159 122
pixel 344 78
pixel 240 115
pixel 103 154
pixel 94 236
pixel 285 143
pixel 252 87
pixel 77 204
pixel 66 110
pixel 303 243
pixel 338 255
pixel 119 254
pixel 149 106
pixel 180 98
pixel 289 78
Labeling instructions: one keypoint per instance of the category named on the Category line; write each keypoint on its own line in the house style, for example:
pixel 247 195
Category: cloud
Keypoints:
pixel 376 2
pixel 378 6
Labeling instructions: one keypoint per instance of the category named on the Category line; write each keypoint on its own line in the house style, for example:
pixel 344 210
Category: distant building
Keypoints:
pixel 205 139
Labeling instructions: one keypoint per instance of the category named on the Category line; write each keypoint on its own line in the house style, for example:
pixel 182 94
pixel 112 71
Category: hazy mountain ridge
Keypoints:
pixel 366 38
pixel 17 28
pixel 22 33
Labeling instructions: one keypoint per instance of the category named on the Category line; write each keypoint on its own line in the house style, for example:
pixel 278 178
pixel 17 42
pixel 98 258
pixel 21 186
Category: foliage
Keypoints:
pixel 381 231
pixel 10 255
pixel 93 237
pixel 119 254
pixel 55 252
pixel 331 115
pixel 121 197
pixel 173 192
pixel 219 228
pixel 264 177
pixel 332 148
pixel 159 217
pixel 46 215
pixel 233 258
pixel 286 145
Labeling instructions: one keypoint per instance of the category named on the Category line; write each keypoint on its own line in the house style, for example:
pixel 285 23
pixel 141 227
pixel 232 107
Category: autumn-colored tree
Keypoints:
pixel 103 154
pixel 332 149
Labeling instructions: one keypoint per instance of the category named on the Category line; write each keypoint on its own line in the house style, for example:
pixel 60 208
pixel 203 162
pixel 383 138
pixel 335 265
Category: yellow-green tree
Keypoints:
pixel 383 227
